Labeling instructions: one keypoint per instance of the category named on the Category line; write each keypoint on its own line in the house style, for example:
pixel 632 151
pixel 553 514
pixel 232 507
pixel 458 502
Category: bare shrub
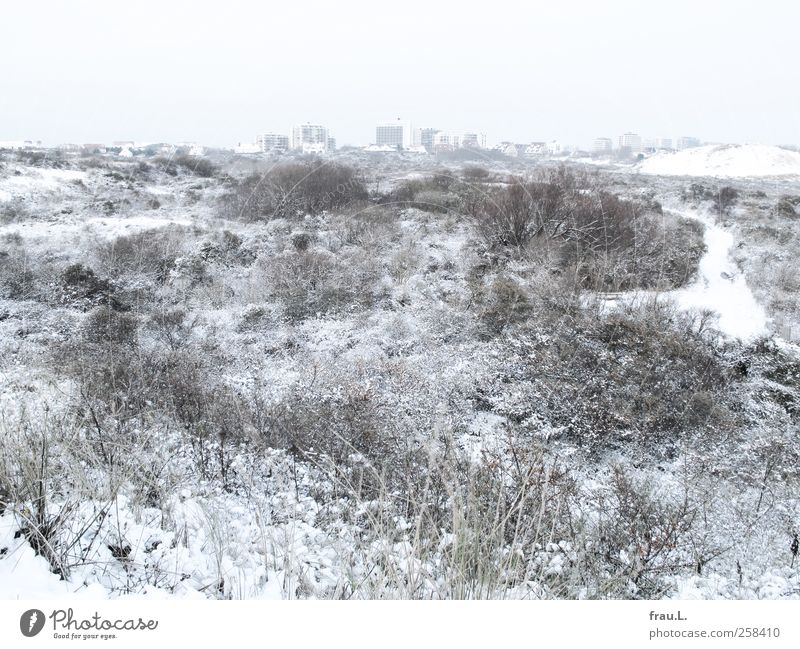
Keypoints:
pixel 725 198
pixel 435 193
pixel 150 253
pixel 301 241
pixel 502 302
pixel 14 211
pixel 787 206
pixel 473 173
pixel 197 165
pixel 637 539
pixel 336 424
pixel 371 227
pixel 18 281
pixel 315 282
pixel 83 289
pixel 602 241
pixel 513 215
pixel 171 327
pixel 292 190
pixel 106 325
pixel 644 375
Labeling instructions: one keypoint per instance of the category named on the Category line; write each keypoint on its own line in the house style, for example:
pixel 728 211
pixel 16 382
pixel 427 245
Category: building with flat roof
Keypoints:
pixel 471 140
pixel 452 140
pixel 663 143
pixel 424 137
pixel 396 134
pixel 602 145
pixel 630 143
pixel 269 142
pixel 686 142
pixel 311 138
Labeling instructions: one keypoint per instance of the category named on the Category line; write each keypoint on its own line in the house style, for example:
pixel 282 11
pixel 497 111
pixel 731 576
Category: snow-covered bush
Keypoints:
pixel 603 242
pixel 292 190
pixel 315 282
pixel 18 279
pixel 151 253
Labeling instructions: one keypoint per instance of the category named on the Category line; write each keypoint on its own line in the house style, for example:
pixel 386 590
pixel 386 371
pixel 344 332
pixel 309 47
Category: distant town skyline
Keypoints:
pixel 319 138
pixel 574 71
pixel 369 136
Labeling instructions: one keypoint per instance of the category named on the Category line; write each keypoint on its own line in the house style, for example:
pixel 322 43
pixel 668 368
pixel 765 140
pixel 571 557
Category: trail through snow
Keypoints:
pixel 721 286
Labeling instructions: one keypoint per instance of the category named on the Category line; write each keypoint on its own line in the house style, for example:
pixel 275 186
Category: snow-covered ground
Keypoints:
pixel 725 161
pixel 103 227
pixel 720 286
pixel 33 181
pixel 284 527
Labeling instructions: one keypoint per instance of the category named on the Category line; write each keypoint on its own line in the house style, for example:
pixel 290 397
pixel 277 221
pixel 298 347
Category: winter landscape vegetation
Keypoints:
pixel 384 374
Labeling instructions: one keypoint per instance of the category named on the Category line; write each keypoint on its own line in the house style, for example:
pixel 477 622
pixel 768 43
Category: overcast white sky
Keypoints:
pixel 220 72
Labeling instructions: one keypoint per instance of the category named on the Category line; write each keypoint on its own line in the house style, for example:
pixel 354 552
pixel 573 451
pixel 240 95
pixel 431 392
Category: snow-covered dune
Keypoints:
pixel 31 181
pixel 725 161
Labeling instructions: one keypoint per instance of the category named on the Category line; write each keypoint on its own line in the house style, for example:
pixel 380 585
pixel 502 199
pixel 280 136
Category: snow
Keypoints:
pixel 722 287
pixel 159 190
pixel 725 161
pixel 247 148
pixel 279 529
pixel 24 575
pixel 35 180
pixel 106 227
pixel 380 148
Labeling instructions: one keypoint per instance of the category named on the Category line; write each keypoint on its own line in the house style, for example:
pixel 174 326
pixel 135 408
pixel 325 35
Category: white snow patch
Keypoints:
pixel 725 161
pixel 720 287
pixel 160 190
pixel 35 180
pixel 108 227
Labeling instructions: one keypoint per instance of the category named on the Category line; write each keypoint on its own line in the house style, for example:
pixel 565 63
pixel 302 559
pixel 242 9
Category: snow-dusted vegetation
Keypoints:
pixel 377 377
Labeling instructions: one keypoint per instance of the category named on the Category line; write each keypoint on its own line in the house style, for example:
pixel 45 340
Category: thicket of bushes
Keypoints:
pixel 316 282
pixel 722 197
pixel 195 165
pixel 600 240
pixel 292 190
pixel 645 375
pixel 439 192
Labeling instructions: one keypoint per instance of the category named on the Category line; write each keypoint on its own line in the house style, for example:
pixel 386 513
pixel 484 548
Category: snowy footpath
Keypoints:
pixel 720 286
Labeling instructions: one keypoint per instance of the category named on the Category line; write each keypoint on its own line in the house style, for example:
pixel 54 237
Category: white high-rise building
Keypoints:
pixel 396 134
pixel 424 137
pixel 686 142
pixel 452 140
pixel 272 142
pixel 630 142
pixel 311 138
pixel 663 143
pixel 602 145
pixel 445 141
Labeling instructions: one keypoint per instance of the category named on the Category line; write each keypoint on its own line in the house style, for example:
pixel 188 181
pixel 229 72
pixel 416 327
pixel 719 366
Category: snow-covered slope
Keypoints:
pixel 721 287
pixel 725 161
